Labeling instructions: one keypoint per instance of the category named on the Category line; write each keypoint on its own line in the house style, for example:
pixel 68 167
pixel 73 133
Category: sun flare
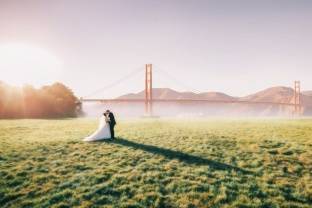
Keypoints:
pixel 26 64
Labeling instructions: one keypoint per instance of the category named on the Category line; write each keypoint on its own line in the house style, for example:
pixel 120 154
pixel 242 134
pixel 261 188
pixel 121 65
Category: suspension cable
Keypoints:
pixel 166 74
pixel 129 75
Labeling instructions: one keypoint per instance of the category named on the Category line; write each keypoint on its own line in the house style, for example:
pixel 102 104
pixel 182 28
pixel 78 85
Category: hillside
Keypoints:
pixel 307 93
pixel 277 94
pixel 167 93
pixel 273 94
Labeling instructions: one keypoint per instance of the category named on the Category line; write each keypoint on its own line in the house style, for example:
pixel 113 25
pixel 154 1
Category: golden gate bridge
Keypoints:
pixel 148 99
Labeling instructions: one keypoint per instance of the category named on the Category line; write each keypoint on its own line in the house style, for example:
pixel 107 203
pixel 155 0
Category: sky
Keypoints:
pixel 236 47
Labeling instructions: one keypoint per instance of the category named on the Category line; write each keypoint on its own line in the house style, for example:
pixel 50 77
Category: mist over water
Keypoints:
pixel 175 110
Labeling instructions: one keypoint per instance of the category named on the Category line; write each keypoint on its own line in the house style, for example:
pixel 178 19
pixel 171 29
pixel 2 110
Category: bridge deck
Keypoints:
pixel 185 101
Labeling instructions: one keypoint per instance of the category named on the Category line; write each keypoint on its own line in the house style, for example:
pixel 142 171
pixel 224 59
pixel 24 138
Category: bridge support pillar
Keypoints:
pixel 297 99
pixel 148 90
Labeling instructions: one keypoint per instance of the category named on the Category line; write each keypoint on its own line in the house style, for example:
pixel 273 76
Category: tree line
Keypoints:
pixel 53 101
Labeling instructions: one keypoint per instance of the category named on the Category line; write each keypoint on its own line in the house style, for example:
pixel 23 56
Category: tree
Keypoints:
pixel 52 101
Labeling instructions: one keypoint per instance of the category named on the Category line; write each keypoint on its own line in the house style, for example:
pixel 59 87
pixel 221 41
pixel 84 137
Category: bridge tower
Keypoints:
pixel 148 90
pixel 297 98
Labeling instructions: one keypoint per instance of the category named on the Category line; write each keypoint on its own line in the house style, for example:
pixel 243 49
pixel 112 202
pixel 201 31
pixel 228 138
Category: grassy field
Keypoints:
pixel 157 163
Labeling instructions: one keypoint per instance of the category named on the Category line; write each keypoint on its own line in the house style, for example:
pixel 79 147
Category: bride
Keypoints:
pixel 103 131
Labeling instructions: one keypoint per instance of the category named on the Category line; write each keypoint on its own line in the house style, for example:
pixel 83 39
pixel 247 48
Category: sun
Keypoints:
pixel 26 64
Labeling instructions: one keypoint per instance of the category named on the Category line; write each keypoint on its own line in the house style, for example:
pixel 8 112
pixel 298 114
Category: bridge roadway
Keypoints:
pixel 185 101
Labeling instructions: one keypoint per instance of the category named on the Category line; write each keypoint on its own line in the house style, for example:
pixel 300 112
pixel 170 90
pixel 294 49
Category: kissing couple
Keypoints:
pixel 105 129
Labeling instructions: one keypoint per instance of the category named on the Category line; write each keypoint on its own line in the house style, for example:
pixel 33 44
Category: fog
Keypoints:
pixel 175 110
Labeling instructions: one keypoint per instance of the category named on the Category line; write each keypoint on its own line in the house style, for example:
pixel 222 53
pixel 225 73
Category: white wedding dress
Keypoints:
pixel 103 131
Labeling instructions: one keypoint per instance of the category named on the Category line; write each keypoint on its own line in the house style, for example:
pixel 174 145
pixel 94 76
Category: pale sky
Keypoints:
pixel 237 47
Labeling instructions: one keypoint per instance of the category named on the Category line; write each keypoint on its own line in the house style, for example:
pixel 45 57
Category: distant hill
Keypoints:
pixel 161 93
pixel 307 93
pixel 167 93
pixel 272 94
pixel 215 96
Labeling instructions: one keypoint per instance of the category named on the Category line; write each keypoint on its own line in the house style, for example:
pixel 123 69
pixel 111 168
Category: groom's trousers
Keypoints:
pixel 112 131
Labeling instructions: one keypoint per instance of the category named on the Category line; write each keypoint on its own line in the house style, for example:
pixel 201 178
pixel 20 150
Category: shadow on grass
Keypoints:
pixel 183 157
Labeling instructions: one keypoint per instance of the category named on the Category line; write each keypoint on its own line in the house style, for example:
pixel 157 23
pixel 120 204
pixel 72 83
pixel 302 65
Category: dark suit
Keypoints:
pixel 112 123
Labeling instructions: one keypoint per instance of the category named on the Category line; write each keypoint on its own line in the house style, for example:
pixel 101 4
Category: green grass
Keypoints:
pixel 157 163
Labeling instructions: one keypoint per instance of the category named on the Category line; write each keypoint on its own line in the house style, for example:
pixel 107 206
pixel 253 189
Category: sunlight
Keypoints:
pixel 26 64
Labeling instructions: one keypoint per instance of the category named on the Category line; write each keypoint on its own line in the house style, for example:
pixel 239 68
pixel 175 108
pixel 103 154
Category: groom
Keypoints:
pixel 112 123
